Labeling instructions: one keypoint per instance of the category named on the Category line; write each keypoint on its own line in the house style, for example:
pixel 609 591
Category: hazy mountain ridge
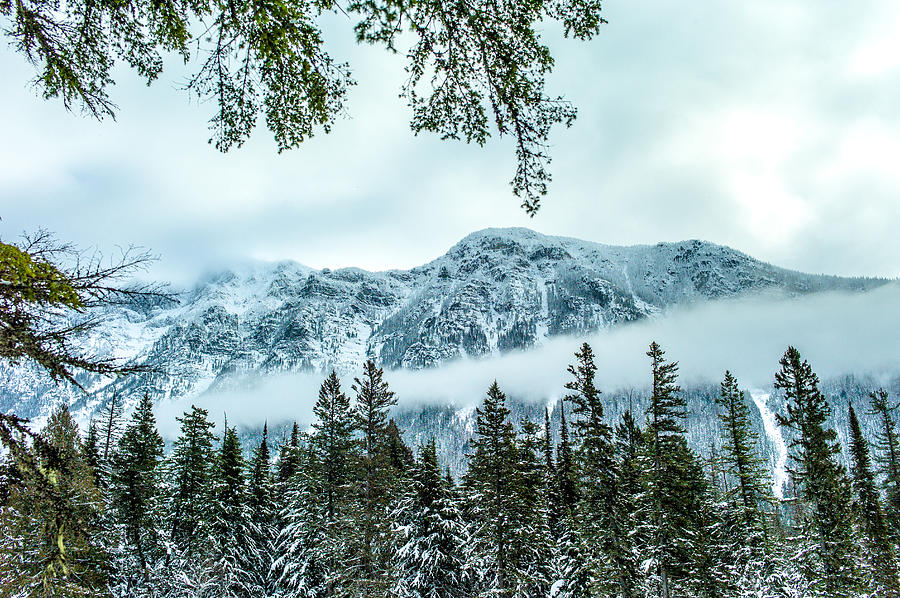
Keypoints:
pixel 496 290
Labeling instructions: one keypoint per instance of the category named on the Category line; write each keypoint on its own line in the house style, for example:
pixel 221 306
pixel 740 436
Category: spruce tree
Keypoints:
pixel 289 457
pixel 317 531
pixel 136 474
pixel 373 400
pixel 191 472
pixel 827 558
pixel 887 446
pixel 532 550
pixel 261 532
pixel 741 459
pixel 673 481
pixel 224 573
pixel 551 480
pixel 565 467
pixel 869 514
pixel 598 509
pixel 92 455
pixel 430 556
pixel 490 488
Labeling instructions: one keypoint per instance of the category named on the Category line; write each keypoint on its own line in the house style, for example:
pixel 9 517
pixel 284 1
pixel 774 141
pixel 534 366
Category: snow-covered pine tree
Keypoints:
pixel 673 483
pixel 551 480
pixel 490 492
pixel 136 473
pixel 827 553
pixel 429 559
pixel 191 474
pixel 289 456
pixel 744 466
pixel 313 556
pixel 887 447
pixel 223 573
pixel 880 554
pixel 260 535
pixel 54 545
pixel 533 546
pixel 598 511
pixel 377 480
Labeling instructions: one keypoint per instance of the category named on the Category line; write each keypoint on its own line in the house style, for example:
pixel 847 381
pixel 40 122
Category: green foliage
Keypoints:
pixel 887 446
pixel 52 538
pixel 828 560
pixel 741 459
pixel 47 292
pixel 473 67
pixel 869 514
pixel 191 466
pixel 136 476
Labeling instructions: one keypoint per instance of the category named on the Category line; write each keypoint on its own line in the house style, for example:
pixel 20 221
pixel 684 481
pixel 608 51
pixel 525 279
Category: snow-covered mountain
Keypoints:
pixel 496 290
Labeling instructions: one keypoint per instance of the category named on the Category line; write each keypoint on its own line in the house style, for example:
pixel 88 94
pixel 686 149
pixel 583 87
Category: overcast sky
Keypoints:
pixel 769 126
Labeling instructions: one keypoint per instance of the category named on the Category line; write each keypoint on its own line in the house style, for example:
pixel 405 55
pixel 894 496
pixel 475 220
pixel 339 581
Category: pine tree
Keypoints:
pixel 191 473
pixel 224 573
pixel 821 481
pixel 260 538
pixel 377 477
pixel 489 481
pixel 430 554
pixel 673 482
pixel 289 457
pixel 887 446
pixel 565 467
pixel 317 532
pixel 92 455
pixel 869 514
pixel 741 459
pixel 532 550
pixel 135 482
pixel 598 510
pixel 551 480
pixel 53 540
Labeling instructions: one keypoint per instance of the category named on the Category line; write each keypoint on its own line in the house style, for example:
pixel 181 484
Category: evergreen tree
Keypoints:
pixel 565 467
pixel 92 455
pixel 673 482
pixel 313 545
pixel 224 574
pixel 377 477
pixel 191 474
pixel 827 559
pixel 53 542
pixel 492 494
pixel 289 457
pixel 742 462
pixel 135 482
pixel 399 456
pixel 869 514
pixel 261 533
pixel 430 555
pixel 887 445
pixel 598 510
pixel 551 480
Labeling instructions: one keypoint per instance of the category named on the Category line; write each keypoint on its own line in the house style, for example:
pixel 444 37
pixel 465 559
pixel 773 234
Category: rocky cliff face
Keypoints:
pixel 496 290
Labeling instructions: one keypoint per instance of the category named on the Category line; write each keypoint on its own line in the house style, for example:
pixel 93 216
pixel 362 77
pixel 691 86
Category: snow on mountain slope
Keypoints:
pixel 494 291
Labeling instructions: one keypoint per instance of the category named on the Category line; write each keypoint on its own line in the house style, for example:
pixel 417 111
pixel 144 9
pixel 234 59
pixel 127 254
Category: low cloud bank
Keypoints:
pixel 837 332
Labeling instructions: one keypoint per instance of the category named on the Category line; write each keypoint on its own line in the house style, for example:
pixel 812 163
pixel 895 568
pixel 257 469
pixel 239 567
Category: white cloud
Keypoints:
pixel 838 333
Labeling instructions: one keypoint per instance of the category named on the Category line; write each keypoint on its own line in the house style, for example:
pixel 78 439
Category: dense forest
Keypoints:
pixel 614 508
